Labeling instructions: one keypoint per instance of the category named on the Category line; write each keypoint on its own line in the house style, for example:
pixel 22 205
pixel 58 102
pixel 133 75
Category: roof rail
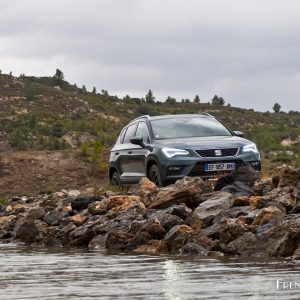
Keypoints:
pixel 141 117
pixel 206 114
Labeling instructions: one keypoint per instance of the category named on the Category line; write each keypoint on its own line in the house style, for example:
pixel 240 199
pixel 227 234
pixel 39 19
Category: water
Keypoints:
pixel 80 274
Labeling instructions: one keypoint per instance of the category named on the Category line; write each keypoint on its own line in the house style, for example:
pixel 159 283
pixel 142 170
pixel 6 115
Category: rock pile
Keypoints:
pixel 236 215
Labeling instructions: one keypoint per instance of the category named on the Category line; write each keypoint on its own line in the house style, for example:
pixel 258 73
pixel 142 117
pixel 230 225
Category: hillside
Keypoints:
pixel 48 114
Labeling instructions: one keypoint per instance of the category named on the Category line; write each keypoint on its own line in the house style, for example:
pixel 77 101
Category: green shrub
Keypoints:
pixel 93 152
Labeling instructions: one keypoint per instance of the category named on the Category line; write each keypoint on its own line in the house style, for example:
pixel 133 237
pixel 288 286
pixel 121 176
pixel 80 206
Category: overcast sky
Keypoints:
pixel 247 51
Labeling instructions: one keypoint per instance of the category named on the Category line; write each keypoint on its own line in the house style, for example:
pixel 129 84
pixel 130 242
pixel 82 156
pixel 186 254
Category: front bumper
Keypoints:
pixel 177 169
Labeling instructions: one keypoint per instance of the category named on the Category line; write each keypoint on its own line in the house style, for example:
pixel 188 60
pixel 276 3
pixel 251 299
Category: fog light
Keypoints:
pixel 256 165
pixel 174 168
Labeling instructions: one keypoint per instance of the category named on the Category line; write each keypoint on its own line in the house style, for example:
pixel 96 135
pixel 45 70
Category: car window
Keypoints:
pixel 121 136
pixel 183 127
pixel 142 131
pixel 130 132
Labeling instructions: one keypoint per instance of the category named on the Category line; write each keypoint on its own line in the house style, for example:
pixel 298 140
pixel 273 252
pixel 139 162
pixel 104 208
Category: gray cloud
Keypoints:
pixel 245 51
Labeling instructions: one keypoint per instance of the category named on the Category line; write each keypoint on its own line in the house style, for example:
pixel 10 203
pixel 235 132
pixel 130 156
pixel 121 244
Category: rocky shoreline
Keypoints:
pixel 239 214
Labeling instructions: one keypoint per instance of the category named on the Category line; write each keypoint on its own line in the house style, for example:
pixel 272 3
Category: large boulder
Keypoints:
pixel 214 209
pixel 238 183
pixel 80 236
pixel 35 212
pixel 238 189
pixel 82 203
pixel 263 186
pixel 186 190
pixel 98 242
pixel 117 240
pixel 53 217
pixel 177 237
pixel 26 231
pixel 6 221
pixel 279 240
pixel 288 177
pixel 231 229
pixel 171 216
pixel 123 202
pixel 152 247
pixel 98 207
pixel 147 191
pixel 268 214
pixel 152 230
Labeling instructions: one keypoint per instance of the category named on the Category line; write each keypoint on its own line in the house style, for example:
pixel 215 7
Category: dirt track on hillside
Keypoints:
pixel 28 173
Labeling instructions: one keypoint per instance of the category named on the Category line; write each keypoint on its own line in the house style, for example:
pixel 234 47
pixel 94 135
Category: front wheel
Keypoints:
pixel 115 179
pixel 155 176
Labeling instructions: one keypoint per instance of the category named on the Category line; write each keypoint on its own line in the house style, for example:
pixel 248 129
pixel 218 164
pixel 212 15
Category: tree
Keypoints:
pixel 217 100
pixel 57 129
pixel 197 99
pixel 59 77
pixel 150 97
pixel 93 152
pixel 83 89
pixel 127 99
pixel 94 90
pixel 104 93
pixel 276 108
pixel 171 100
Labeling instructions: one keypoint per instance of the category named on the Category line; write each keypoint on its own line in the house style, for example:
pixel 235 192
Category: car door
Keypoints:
pixel 139 153
pixel 126 158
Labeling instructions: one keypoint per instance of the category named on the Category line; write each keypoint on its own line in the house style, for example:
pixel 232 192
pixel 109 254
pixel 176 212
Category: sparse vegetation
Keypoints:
pixel 94 152
pixel 36 115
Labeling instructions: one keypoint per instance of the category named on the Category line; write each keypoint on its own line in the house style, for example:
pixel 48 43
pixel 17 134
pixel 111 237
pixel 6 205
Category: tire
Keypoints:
pixel 115 179
pixel 155 176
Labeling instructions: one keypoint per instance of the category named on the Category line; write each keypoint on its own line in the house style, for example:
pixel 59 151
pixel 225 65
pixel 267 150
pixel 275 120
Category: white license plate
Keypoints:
pixel 219 167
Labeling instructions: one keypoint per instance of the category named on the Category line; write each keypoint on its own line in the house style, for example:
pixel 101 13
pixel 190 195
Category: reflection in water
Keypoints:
pixel 172 275
pixel 77 274
pixel 172 270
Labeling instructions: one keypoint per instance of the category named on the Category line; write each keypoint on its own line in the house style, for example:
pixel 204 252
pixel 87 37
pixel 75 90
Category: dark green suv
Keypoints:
pixel 167 148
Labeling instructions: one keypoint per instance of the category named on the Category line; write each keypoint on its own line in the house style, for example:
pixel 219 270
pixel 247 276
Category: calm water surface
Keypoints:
pixel 73 274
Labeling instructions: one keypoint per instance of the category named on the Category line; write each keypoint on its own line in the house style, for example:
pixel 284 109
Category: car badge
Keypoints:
pixel 218 152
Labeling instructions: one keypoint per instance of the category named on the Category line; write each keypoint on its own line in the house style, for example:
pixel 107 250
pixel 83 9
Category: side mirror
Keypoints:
pixel 238 133
pixel 138 140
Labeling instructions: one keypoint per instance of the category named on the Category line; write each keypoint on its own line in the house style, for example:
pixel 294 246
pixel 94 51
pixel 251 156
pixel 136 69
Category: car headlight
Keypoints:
pixel 250 148
pixel 171 152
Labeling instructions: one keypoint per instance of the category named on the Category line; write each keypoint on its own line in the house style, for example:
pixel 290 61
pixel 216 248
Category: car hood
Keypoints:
pixel 210 142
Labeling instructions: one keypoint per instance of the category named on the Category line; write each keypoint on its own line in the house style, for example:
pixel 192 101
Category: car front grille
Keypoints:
pixel 199 168
pixel 218 152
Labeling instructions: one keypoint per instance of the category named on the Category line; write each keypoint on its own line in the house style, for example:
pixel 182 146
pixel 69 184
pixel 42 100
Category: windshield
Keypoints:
pixel 183 127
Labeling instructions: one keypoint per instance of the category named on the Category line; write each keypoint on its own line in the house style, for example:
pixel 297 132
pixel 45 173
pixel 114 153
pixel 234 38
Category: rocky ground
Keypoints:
pixel 238 214
pixel 32 172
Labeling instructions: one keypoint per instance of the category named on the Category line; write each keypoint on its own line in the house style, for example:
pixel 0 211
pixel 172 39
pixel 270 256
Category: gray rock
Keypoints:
pixel 177 237
pixel 26 231
pixel 216 206
pixel 238 188
pixel 98 207
pixel 83 202
pixel 35 213
pixel 230 230
pixel 53 218
pixel 193 249
pixel 244 175
pixel 98 242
